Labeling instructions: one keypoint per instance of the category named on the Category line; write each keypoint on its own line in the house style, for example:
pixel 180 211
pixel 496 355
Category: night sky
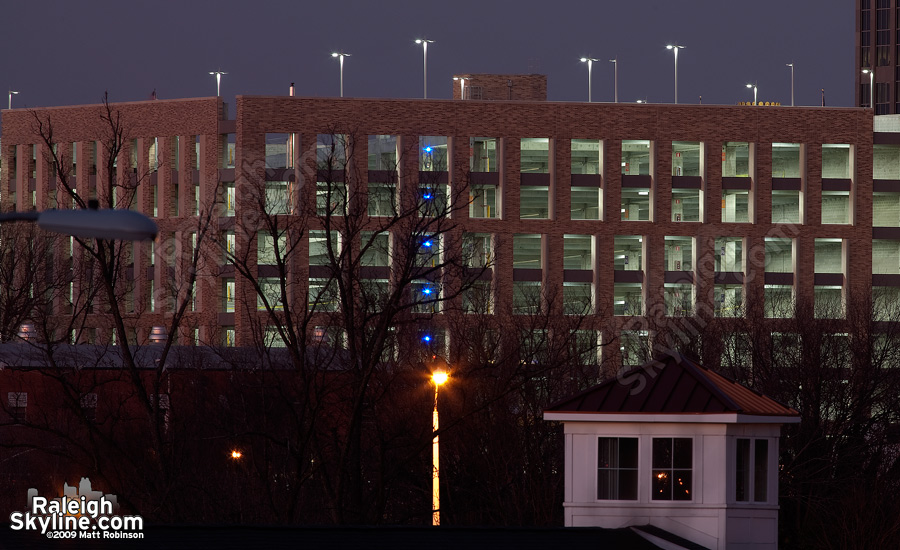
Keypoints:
pixel 62 52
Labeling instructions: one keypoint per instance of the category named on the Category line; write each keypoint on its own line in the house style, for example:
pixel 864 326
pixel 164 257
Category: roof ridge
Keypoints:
pixel 671 383
pixel 701 377
pixel 746 387
pixel 616 378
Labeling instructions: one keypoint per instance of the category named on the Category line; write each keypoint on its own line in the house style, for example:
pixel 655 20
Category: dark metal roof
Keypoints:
pixel 35 355
pixel 673 384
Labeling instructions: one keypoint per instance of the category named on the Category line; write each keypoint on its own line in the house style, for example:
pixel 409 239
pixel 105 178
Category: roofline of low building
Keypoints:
pixel 672 418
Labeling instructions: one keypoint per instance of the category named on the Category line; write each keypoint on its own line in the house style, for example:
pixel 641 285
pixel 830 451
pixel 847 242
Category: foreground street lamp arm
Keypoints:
pixel 109 224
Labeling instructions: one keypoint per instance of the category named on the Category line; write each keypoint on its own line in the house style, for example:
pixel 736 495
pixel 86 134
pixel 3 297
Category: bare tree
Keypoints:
pixel 93 286
pixel 344 274
pixel 835 361
pixel 505 460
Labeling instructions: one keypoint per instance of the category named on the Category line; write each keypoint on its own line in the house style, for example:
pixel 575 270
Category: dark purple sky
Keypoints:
pixel 61 52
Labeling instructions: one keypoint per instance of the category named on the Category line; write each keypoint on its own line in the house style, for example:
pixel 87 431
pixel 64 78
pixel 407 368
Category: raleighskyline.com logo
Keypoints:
pixel 88 515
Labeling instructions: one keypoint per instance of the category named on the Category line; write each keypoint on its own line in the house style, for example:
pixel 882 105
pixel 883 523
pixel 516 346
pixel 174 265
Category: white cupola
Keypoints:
pixel 677 447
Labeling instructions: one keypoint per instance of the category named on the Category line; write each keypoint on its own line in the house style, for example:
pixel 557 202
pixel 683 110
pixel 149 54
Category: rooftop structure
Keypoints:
pixel 678 445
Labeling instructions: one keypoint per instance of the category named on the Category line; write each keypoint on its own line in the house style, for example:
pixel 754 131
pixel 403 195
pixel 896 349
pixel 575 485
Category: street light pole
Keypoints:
pixel 791 65
pixel 108 224
pixel 675 48
pixel 615 63
pixel 424 42
pixel 754 92
pixel 871 74
pixel 341 56
pixel 11 93
pixel 218 81
pixel 462 85
pixel 438 378
pixel 590 64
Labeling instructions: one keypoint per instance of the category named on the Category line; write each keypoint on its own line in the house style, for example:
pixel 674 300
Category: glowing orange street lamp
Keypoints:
pixel 439 377
pixel 236 454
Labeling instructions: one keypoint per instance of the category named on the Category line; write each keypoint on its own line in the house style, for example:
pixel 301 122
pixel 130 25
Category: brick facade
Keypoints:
pixel 527 116
pixel 501 87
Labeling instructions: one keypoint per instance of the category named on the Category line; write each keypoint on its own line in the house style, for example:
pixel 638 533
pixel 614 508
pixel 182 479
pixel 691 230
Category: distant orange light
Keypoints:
pixel 439 377
pixel 235 454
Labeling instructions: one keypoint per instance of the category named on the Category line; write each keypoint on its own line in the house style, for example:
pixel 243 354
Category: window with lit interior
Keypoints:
pixel 672 468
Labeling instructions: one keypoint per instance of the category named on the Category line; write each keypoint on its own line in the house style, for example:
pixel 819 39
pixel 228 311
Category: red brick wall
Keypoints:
pixel 503 87
pixel 509 121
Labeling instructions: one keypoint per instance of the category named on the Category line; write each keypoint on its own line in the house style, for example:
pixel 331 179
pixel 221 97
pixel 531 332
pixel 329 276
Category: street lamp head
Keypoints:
pixel 674 47
pixel 583 59
pixel 749 85
pixel 424 41
pixel 125 225
pixel 13 93
pixel 158 335
pixel 866 71
pixel 788 64
pixel 439 377
pixel 334 54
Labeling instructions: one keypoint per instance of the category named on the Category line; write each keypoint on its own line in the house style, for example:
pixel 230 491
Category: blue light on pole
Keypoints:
pixel 426 338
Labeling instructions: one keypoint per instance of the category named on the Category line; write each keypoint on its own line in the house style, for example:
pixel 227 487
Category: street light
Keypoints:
pixel 341 56
pixel 615 63
pixel 424 42
pixel 754 92
pixel 158 335
pixel 218 81
pixel 462 85
pixel 110 224
pixel 438 377
pixel 675 48
pixel 791 65
pixel 871 74
pixel 11 93
pixel 590 63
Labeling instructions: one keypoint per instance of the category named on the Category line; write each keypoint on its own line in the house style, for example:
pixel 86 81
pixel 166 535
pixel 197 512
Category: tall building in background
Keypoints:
pixel 878 50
